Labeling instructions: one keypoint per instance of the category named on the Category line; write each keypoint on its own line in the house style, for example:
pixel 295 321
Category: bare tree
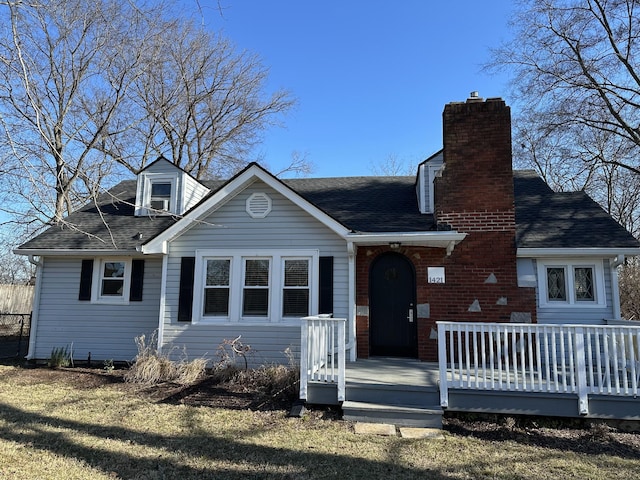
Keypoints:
pixel 575 62
pixel 89 91
pixel 393 166
pixel 65 68
pixel 629 278
pixel 200 103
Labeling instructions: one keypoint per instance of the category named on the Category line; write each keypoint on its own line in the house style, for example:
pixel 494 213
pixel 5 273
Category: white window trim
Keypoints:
pixel 96 283
pixel 236 280
pixel 150 179
pixel 600 299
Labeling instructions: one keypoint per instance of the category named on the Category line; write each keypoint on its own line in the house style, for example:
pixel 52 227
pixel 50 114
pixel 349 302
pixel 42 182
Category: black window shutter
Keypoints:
pixel 325 303
pixel 185 298
pixel 137 276
pixel 86 277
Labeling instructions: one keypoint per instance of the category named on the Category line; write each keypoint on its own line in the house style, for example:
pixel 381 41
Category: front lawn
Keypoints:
pixel 67 424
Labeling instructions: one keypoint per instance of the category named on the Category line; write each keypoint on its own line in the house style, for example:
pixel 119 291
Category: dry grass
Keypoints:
pixel 51 429
pixel 151 367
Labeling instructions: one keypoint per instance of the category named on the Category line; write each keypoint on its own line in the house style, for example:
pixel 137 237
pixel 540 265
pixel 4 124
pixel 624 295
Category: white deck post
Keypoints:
pixel 341 360
pixel 442 363
pixel 304 358
pixel 581 371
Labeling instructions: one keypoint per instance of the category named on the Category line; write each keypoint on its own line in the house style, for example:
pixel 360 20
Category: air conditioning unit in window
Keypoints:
pixel 161 205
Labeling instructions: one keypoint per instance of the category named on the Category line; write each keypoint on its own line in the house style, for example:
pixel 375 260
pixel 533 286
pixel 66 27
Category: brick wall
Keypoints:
pixel 473 196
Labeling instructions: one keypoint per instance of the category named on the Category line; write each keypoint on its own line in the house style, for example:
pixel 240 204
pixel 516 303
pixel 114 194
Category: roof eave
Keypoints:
pixel 577 252
pixel 446 240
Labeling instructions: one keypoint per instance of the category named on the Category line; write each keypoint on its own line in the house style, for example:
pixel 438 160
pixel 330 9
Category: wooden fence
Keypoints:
pixel 16 298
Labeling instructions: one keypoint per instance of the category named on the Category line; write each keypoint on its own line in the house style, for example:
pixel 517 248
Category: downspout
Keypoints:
pixel 614 263
pixel 161 310
pixel 36 303
pixel 351 344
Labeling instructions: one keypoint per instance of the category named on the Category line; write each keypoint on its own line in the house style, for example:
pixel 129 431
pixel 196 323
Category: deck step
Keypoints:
pixel 399 415
pixel 407 395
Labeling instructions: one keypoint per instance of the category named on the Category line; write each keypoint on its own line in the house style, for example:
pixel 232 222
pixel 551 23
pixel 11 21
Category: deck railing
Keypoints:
pixel 577 359
pixel 322 353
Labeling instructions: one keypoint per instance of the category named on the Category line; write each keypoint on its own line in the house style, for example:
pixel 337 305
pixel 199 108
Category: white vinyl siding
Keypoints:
pixel 106 331
pixel 286 228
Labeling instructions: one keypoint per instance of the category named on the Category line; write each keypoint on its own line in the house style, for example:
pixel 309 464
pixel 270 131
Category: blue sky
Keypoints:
pixel 371 76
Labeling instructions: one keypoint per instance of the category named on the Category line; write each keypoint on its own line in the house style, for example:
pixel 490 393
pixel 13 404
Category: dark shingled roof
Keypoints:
pixel 86 229
pixel 545 219
pixel 367 204
pixel 548 219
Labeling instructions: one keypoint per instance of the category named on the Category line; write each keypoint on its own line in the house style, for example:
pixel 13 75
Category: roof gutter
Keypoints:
pixel 74 253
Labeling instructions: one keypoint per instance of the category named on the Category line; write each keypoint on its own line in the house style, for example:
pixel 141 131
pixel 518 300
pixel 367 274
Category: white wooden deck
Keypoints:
pixel 532 369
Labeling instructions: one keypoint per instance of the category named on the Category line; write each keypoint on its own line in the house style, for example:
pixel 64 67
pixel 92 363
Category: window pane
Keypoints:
pixel 296 273
pixel 556 284
pixel 114 270
pixel 255 302
pixel 295 302
pixel 257 273
pixel 216 301
pixel 161 190
pixel 112 288
pixel 584 283
pixel 218 272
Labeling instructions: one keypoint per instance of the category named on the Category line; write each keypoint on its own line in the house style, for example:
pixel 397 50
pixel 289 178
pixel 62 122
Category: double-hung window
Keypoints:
pixel 160 196
pixel 216 287
pixel 295 291
pixel 571 283
pixel 255 293
pixel 250 286
pixel 112 280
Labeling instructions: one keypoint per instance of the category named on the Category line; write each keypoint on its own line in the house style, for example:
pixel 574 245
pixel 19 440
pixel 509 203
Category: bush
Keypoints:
pixel 151 367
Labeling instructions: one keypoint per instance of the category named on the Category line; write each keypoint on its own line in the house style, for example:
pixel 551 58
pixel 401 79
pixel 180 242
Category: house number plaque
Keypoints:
pixel 435 274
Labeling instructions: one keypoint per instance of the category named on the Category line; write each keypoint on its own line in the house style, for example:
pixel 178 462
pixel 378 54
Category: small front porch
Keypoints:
pixel 513 369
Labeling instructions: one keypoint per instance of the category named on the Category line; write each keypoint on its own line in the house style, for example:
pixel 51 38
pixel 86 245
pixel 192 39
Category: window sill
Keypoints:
pixel 572 305
pixel 108 301
pixel 292 322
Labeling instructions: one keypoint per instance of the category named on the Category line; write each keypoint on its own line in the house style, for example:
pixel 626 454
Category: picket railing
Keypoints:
pixel 577 359
pixel 322 353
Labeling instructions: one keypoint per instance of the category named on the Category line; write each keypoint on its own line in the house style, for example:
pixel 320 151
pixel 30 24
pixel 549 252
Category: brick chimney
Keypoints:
pixel 475 192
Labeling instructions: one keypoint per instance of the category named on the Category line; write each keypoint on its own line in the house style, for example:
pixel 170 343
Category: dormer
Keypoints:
pixel 165 189
pixel 427 173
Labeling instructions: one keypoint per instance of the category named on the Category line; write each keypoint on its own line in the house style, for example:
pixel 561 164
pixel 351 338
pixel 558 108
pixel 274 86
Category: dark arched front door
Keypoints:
pixel 392 298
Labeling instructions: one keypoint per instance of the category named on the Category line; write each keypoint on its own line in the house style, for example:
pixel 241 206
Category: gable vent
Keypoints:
pixel 258 205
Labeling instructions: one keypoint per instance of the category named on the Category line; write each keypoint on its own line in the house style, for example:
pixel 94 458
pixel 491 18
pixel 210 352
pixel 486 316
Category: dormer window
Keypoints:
pixel 161 197
pixel 164 189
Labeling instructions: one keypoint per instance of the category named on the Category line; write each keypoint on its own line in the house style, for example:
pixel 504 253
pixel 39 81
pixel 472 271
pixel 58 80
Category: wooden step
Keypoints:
pixel 399 415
